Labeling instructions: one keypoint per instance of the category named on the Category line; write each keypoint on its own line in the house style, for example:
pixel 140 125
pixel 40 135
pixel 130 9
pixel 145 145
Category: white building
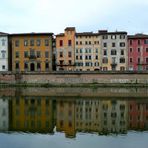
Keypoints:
pixel 4 114
pixel 3 51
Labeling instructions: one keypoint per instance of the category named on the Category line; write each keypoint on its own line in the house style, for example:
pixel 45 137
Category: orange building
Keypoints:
pixel 65 49
pixel 31 52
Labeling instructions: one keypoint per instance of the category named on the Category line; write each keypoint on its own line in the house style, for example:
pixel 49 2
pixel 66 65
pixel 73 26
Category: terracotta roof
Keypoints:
pixel 31 34
pixel 61 34
pixel 3 33
pixel 70 29
pixel 138 36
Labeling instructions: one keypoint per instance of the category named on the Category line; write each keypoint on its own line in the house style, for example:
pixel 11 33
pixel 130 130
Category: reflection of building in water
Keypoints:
pixel 113 116
pixel 87 116
pixel 4 114
pixel 65 120
pixel 138 115
pixel 33 114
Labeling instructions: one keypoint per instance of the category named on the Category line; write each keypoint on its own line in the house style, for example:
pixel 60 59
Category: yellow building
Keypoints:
pixel 87 51
pixel 65 49
pixel 31 52
pixel 33 114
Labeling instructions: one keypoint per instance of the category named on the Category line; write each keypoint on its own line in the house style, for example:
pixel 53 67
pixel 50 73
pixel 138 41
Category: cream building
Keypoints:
pixel 3 51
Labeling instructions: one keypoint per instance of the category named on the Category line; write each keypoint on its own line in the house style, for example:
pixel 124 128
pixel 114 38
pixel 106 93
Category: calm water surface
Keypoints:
pixel 73 118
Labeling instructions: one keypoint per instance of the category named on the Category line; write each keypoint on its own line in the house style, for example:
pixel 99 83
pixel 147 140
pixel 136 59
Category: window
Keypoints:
pixel 131 60
pixel 113 44
pixel 122 44
pixel 96 50
pixel 17 43
pixel 146 60
pixel 105 37
pixel 139 42
pixel 85 42
pixel 105 68
pixel 61 43
pixel 32 53
pixel 104 52
pixel 138 60
pixel 105 60
pixel 76 42
pixel 77 51
pixel 3 67
pixel 96 57
pixel 17 66
pixel 76 57
pixel 46 54
pixel 61 54
pixel 131 49
pixel 80 42
pixel 25 42
pixel 3 54
pixel 113 52
pixel 61 62
pixel 38 66
pixel 131 42
pixel 113 36
pixel 122 36
pixel 17 54
pixel 81 50
pixel 89 57
pixel 122 60
pixel 146 41
pixel 25 54
pixel 70 62
pixel 104 44
pixel 80 57
pixel 38 42
pixel 3 42
pixel 138 49
pixel 25 66
pixel 46 42
pixel 89 42
pixel 46 66
pixel 38 54
pixel 122 52
pixel 69 54
pixel 146 49
pixel 90 50
pixel 69 43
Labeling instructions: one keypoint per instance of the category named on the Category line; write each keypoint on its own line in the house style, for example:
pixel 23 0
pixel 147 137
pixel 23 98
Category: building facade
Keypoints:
pixel 31 52
pixel 114 51
pixel 65 46
pixel 87 51
pixel 138 52
pixel 3 51
pixel 4 114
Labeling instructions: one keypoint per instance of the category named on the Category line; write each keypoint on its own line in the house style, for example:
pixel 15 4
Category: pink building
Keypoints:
pixel 138 52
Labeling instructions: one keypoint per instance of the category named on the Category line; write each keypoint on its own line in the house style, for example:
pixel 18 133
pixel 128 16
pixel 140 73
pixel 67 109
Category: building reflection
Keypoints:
pixel 73 115
pixel 32 114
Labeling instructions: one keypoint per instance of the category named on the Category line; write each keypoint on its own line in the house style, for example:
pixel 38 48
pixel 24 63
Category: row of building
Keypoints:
pixel 73 51
pixel 102 116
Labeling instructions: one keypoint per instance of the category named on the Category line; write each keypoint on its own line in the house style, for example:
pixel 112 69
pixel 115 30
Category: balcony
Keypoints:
pixel 32 57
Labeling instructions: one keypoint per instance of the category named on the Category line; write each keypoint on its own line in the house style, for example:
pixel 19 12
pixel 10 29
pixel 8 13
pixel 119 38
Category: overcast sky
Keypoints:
pixel 85 15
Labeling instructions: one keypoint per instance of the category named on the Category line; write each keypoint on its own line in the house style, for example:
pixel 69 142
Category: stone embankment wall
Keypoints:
pixel 75 78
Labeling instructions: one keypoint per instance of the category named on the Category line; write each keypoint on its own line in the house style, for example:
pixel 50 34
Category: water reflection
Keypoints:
pixel 73 114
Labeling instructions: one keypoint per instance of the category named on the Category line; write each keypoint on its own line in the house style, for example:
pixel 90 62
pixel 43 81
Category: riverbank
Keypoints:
pixel 75 79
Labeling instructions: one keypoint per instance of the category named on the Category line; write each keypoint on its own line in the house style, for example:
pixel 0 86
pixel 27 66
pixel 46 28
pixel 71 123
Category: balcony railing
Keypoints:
pixel 32 57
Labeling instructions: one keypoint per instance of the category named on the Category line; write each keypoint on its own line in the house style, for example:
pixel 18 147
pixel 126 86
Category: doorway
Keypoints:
pixel 32 67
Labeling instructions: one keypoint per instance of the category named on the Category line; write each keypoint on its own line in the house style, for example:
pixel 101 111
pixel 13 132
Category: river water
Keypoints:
pixel 73 117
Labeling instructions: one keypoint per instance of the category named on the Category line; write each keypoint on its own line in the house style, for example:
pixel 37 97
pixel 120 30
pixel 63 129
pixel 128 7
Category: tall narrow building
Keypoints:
pixel 3 51
pixel 138 52
pixel 65 47
pixel 114 51
pixel 31 52
pixel 87 51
